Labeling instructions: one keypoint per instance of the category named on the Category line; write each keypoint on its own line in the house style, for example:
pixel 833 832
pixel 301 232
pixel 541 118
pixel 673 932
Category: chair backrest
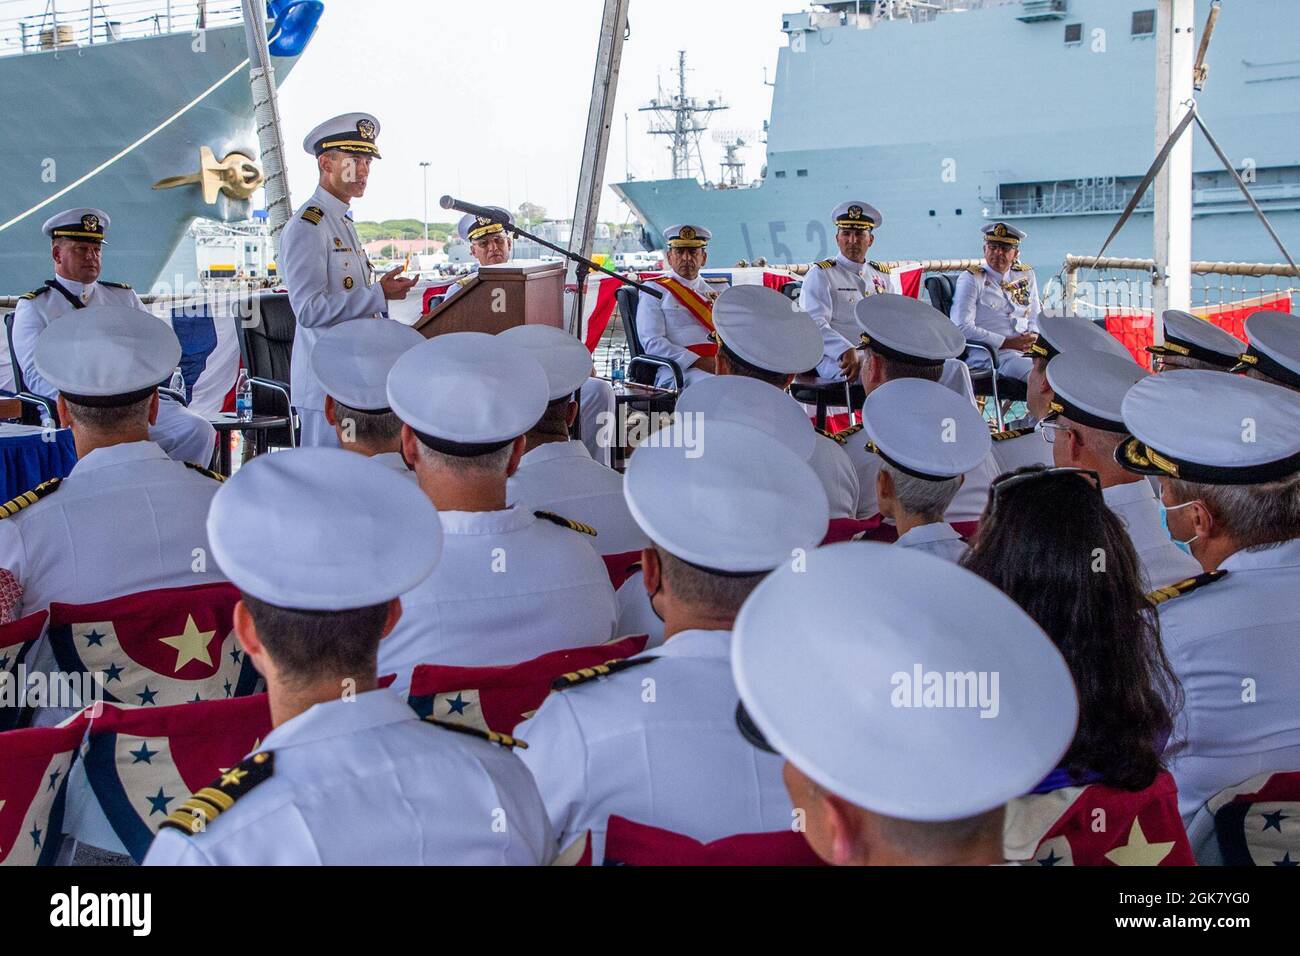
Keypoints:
pixel 266 347
pixel 939 288
pixel 627 297
pixel 31 415
pixel 791 290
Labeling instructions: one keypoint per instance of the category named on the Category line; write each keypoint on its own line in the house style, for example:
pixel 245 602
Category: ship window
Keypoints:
pixel 1074 33
pixel 779 174
pixel 1144 23
pixel 801 172
pixel 958 212
pixel 931 212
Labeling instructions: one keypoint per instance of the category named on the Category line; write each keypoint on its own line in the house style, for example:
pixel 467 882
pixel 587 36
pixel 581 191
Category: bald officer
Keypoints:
pixel 515 582
pixel 718 522
pixel 1227 452
pixel 1193 342
pixel 885 772
pixel 679 325
pixel 351 778
pixel 927 438
pixel 1274 351
pixel 77 238
pixel 352 361
pixel 1085 432
pixel 832 290
pixel 996 303
pixel 325 269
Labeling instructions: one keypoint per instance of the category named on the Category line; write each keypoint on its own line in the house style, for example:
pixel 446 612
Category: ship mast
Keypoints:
pixel 1175 53
pixel 679 117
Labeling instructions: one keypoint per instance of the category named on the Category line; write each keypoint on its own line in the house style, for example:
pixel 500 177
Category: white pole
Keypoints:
pixel 424 166
pixel 1175 56
pixel 266 111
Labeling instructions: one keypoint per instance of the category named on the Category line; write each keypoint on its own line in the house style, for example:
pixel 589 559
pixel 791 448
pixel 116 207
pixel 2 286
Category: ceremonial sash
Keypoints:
pixel 700 309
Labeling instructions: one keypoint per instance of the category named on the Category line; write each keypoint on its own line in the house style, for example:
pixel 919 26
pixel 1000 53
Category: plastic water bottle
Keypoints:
pixel 177 383
pixel 618 372
pixel 244 397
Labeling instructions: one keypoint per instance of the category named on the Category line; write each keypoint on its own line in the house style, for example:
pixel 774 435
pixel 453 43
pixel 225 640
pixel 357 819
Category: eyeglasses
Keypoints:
pixel 1000 486
pixel 1050 431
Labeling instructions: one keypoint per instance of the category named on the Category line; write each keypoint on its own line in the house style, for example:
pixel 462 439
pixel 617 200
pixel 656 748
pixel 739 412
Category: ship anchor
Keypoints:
pixel 237 175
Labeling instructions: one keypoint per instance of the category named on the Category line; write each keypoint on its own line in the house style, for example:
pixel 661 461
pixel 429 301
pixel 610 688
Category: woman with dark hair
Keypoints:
pixel 1048 541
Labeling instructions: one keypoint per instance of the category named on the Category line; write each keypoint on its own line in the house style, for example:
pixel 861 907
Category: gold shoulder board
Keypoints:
pixel 584 674
pixel 206 472
pixel 503 740
pixel 29 498
pixel 563 522
pixel 1161 595
pixel 219 796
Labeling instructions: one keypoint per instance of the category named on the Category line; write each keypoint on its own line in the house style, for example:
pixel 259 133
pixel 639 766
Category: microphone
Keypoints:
pixel 447 202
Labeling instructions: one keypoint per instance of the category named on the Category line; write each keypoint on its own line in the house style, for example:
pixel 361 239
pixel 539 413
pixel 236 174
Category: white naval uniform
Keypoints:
pixel 635 615
pixel 395 461
pixel 666 327
pixel 835 470
pixel 1018 447
pixel 678 763
pixel 561 477
pixel 1235 646
pixel 330 281
pixel 938 539
pixel 830 293
pixel 1161 561
pixel 365 781
pixel 182 434
pixel 508 587
pixel 986 310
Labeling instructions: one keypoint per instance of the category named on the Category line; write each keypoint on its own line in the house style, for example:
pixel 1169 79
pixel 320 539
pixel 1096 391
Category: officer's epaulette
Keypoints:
pixel 825 263
pixel 35 292
pixel 220 795
pixel 504 740
pixel 843 435
pixel 114 285
pixel 206 472
pixel 975 269
pixel 584 674
pixel 465 281
pixel 313 215
pixel 880 266
pixel 1010 433
pixel 1021 267
pixel 1161 595
pixel 29 498
pixel 563 522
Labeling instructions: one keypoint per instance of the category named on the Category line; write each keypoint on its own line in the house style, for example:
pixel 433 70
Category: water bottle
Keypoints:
pixel 617 373
pixel 178 381
pixel 244 397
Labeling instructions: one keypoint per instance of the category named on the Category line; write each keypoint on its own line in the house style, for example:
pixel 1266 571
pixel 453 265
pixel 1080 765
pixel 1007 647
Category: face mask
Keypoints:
pixel 1185 546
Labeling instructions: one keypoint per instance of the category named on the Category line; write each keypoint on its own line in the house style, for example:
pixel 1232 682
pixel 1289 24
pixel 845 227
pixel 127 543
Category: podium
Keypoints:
pixel 500 297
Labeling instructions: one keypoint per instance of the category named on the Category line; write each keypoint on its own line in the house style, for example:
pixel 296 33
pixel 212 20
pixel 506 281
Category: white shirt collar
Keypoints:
pixel 1284 555
pixel 845 262
pixel 330 202
pixel 695 283
pixel 554 450
pixel 486 522
pixel 336 718
pixel 119 454
pixel 694 643
pixel 390 459
pixel 1128 493
pixel 927 533
pixel 72 285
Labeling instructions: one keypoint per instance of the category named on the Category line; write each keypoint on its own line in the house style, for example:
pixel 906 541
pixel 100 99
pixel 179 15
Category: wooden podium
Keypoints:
pixel 501 297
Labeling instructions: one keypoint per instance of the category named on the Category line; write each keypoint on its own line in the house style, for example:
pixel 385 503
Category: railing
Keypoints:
pixel 33 26
pixel 1125 286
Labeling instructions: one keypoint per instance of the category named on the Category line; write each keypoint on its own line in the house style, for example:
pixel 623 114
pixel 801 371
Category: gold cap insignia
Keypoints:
pixel 90 223
pixel 855 212
pixel 686 232
pixel 366 129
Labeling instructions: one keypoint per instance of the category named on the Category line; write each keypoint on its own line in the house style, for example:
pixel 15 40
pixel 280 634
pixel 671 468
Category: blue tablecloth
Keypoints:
pixel 27 458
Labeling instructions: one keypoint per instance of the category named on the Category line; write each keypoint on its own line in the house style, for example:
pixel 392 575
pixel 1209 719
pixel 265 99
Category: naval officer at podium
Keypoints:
pixel 328 274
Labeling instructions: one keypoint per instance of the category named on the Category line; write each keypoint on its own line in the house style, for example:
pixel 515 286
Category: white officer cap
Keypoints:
pixel 1002 232
pixel 907 330
pixel 352 360
pixel 1090 386
pixel 107 355
pixel 351 132
pixel 856 214
pixel 85 223
pixel 1274 347
pixel 321 529
pixel 1065 333
pixel 747 401
pixel 686 237
pixel 473 227
pixel 1211 428
pixel 867 702
pixel 564 359
pixel 735 501
pixel 925 429
pixel 766 329
pixel 1193 337
pixel 468 393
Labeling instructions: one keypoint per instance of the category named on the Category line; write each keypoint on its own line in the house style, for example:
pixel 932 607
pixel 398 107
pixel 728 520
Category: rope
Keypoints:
pixel 126 150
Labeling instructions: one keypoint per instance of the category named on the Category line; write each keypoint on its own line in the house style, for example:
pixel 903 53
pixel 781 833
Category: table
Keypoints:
pixel 28 456
pixel 826 392
pixel 259 425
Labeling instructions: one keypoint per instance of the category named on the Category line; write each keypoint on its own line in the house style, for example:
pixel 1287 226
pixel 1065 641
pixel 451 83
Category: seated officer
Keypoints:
pixel 996 303
pixel 678 326
pixel 832 290
pixel 1089 389
pixel 351 361
pixel 1274 351
pixel 489 243
pixel 1227 452
pixel 719 521
pixel 1193 342
pixel 321 543
pixel 928 438
pixel 886 771
pixel 557 473
pixel 514 583
pixel 127 518
pixel 77 238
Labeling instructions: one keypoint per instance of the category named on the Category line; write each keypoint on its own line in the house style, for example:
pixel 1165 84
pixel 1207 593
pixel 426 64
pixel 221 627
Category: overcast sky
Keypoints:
pixel 495 95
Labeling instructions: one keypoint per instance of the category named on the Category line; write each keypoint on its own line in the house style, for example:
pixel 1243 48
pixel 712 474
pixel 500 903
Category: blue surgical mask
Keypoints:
pixel 1185 546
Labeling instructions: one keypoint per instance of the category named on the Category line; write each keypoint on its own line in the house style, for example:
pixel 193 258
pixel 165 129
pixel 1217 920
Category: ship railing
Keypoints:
pixel 926 265
pixel 34 26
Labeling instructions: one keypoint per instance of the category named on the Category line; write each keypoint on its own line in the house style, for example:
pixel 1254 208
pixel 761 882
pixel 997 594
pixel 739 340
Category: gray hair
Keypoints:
pixel 369 428
pixel 493 462
pixel 920 496
pixel 696 586
pixel 120 418
pixel 1255 516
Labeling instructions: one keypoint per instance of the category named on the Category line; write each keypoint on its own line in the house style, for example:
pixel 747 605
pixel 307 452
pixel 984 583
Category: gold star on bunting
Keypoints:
pixel 1138 851
pixel 191 644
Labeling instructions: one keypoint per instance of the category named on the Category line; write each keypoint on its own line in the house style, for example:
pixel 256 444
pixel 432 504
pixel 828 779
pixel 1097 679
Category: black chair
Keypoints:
pixel 36 409
pixel 266 329
pixel 641 368
pixel 984 381
pixel 791 290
